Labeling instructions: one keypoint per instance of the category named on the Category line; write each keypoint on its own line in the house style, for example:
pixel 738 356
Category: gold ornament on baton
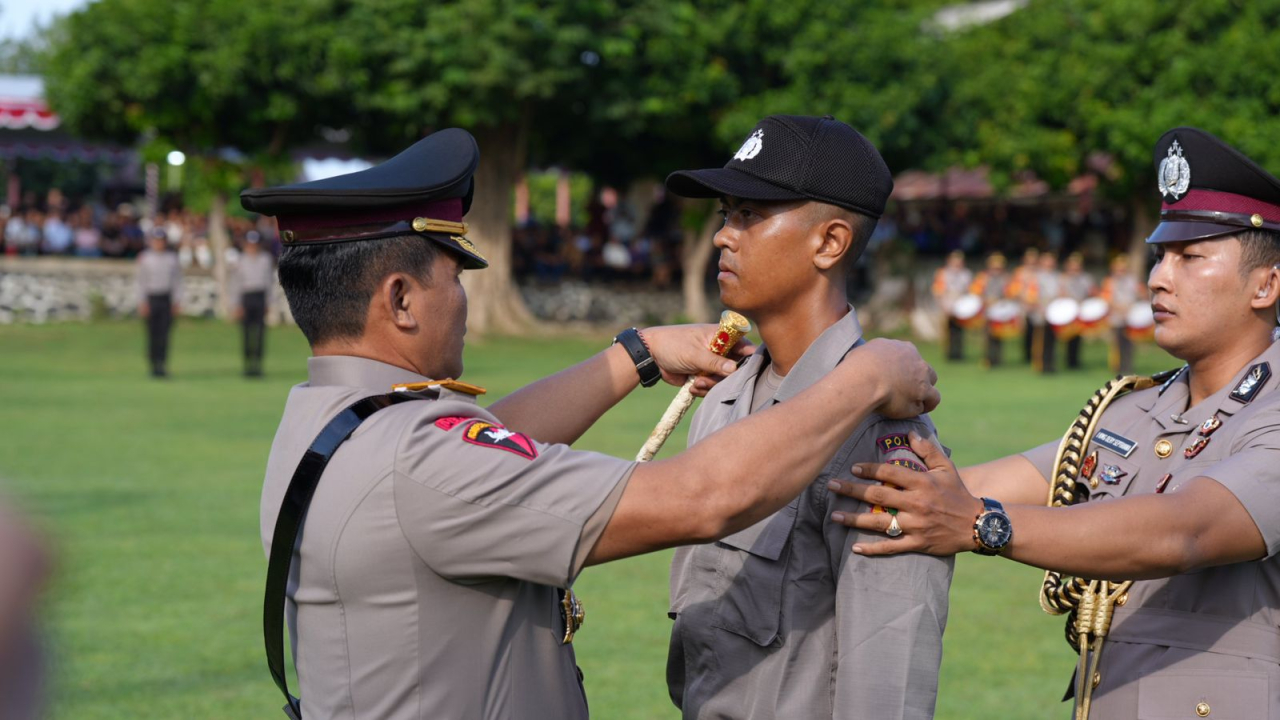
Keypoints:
pixel 732 327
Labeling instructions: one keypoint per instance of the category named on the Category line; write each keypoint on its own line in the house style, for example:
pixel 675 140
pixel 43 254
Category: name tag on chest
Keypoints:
pixel 1117 444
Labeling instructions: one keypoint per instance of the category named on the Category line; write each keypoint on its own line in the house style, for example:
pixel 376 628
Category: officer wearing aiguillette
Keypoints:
pixel 421 547
pixel 1181 528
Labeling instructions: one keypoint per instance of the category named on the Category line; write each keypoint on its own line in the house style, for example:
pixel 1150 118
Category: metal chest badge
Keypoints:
pixel 1174 177
pixel 1111 474
pixel 573 613
pixel 1208 427
pixel 1090 464
pixel 1253 381
pixel 1164 483
pixel 1196 448
pixel 1163 448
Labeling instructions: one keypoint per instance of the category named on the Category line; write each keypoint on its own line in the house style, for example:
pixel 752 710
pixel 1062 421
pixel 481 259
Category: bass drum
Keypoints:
pixel 1093 313
pixel 1004 319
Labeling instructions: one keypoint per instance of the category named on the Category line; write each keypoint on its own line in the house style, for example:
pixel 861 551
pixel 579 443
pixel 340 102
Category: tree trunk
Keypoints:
pixel 494 300
pixel 218 245
pixel 695 252
pixel 1142 227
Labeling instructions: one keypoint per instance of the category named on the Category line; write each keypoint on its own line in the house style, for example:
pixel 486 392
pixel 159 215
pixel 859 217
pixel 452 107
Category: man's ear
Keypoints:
pixel 394 295
pixel 835 238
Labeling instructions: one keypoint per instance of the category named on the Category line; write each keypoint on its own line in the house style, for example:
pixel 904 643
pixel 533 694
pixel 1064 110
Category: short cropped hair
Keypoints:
pixel 329 286
pixel 1258 248
pixel 863 226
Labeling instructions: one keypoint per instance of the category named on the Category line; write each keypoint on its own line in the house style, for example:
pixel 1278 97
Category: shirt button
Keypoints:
pixel 1097 678
pixel 1202 709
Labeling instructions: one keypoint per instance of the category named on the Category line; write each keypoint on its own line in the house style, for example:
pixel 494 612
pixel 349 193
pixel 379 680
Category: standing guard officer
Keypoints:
pixel 422 547
pixel 1079 286
pixel 1047 288
pixel 251 281
pixel 1122 291
pixel 1181 475
pixel 159 293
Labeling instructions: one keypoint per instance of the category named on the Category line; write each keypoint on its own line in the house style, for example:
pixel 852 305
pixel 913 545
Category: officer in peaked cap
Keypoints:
pixel 1187 464
pixel 785 598
pixel 431 575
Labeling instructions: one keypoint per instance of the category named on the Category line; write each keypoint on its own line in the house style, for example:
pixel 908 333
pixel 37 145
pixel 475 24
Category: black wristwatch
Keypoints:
pixel 992 531
pixel 633 342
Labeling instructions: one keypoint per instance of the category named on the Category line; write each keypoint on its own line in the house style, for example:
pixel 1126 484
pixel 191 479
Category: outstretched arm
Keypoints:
pixel 1201 524
pixel 560 408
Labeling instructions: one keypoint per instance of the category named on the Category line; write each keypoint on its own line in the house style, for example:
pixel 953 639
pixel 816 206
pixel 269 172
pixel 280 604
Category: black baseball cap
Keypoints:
pixel 425 190
pixel 1210 189
pixel 797 157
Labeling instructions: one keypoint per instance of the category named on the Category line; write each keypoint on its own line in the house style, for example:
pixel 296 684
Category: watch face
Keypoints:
pixel 995 530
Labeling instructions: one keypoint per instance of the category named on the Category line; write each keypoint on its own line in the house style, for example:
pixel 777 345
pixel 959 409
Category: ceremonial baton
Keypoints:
pixel 732 327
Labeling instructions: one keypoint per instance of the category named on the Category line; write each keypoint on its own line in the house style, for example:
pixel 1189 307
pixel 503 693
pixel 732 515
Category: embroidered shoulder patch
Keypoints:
pixel 1252 383
pixel 909 464
pixel 486 434
pixel 894 441
pixel 449 423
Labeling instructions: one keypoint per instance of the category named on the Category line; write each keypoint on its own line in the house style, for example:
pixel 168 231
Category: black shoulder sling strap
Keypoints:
pixel 289 522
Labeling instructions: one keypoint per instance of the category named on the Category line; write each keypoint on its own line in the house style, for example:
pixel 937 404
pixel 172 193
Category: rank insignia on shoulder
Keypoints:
pixel 1089 465
pixel 454 385
pixel 1253 381
pixel 1209 426
pixel 1111 474
pixel 1115 442
pixel 894 441
pixel 487 434
pixel 1196 448
pixel 449 423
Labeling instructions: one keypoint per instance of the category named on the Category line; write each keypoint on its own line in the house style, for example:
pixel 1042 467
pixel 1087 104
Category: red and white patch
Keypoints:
pixel 895 441
pixel 449 423
pixel 486 434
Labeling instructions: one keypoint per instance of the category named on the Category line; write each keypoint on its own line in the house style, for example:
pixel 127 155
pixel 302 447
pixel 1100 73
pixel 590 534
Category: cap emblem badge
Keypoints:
pixel 1175 174
pixel 468 246
pixel 751 147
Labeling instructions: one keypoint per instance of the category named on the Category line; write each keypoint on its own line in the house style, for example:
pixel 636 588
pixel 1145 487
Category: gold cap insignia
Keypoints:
pixel 1256 220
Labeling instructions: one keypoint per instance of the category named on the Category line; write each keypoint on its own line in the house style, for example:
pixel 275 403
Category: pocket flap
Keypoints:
pixel 1219 696
pixel 767 538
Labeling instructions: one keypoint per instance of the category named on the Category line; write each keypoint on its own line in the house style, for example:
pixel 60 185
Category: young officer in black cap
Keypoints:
pixel 781 620
pixel 1188 464
pixel 431 575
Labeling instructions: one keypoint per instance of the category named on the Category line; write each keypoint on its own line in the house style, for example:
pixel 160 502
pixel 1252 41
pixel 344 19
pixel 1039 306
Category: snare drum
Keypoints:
pixel 1093 313
pixel 967 311
pixel 1004 319
pixel 1140 323
pixel 1063 315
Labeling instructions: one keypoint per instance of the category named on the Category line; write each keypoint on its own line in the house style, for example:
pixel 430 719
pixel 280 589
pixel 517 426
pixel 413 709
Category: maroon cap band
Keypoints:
pixel 1225 203
pixel 447 210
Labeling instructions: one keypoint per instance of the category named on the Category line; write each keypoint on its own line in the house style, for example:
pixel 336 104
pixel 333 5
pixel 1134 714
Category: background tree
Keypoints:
pixel 232 83
pixel 1059 80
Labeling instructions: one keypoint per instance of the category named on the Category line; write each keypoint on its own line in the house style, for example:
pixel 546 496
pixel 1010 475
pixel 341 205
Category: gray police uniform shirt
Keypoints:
pixel 252 273
pixel 424 584
pixel 1211 636
pixel 1079 286
pixel 158 274
pixel 782 620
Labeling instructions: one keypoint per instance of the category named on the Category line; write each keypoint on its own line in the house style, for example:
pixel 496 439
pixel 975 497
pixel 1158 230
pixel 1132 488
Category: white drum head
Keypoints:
pixel 967 307
pixel 1140 317
pixel 1093 310
pixel 1062 311
pixel 1004 311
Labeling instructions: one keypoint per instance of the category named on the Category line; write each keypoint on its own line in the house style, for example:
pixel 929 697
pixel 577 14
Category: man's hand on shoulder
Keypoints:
pixel 681 351
pixel 905 380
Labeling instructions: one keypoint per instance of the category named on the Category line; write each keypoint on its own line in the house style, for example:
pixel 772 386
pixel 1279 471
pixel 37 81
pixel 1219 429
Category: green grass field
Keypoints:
pixel 149 491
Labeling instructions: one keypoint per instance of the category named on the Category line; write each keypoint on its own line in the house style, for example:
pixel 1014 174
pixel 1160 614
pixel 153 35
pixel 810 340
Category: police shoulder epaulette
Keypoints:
pixel 454 385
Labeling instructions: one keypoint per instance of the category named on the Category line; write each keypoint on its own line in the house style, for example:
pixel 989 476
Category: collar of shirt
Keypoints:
pixel 358 372
pixel 1174 400
pixel 822 355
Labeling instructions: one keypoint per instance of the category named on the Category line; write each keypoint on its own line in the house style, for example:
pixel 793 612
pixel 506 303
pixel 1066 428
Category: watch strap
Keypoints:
pixel 988 506
pixel 633 342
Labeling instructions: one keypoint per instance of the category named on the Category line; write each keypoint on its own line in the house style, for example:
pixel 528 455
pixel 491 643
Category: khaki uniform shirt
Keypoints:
pixel 1078 286
pixel 782 620
pixel 1211 636
pixel 252 273
pixel 949 285
pixel 159 274
pixel 1048 289
pixel 1122 293
pixel 424 584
